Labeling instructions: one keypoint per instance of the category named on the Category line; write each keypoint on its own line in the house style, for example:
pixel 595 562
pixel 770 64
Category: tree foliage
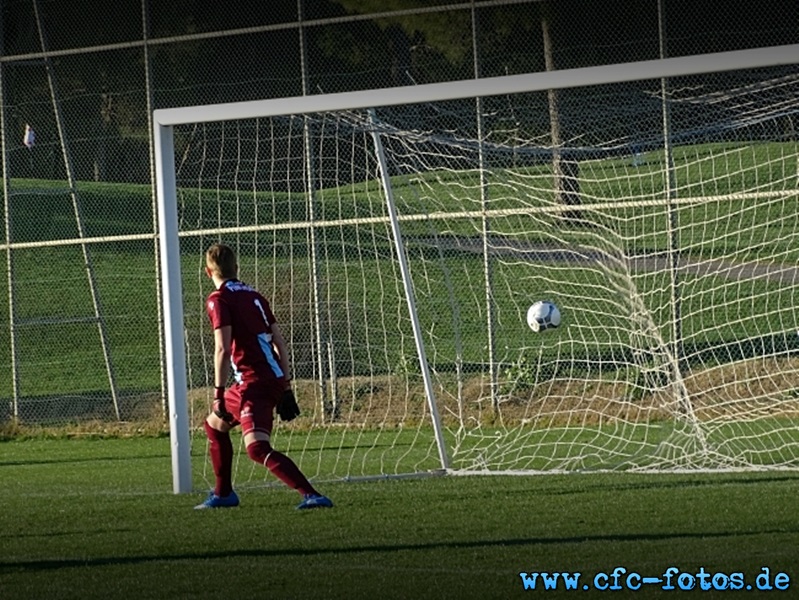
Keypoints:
pixel 103 95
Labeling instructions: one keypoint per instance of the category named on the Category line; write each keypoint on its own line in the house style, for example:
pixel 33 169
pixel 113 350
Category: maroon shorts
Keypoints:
pixel 252 406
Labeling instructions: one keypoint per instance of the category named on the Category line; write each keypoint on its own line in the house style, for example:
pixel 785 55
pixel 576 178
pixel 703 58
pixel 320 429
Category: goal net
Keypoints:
pixel 401 236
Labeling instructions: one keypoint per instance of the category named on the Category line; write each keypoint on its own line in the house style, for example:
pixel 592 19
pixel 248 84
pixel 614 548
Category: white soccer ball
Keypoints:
pixel 543 315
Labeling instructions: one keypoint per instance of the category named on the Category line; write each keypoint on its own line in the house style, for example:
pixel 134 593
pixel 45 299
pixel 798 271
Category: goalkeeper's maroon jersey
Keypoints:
pixel 250 317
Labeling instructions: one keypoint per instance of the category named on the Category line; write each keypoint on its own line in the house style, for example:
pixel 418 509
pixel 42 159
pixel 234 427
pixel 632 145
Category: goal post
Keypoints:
pixel 598 393
pixel 410 298
pixel 172 300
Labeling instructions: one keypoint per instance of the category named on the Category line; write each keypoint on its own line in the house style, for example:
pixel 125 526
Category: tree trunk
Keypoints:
pixel 100 153
pixel 566 169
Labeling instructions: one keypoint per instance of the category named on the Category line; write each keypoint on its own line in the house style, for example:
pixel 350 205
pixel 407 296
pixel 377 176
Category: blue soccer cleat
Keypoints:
pixel 214 501
pixel 314 501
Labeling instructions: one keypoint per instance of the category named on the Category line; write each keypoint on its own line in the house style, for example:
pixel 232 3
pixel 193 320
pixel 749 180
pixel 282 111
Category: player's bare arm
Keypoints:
pixel 222 345
pixel 223 337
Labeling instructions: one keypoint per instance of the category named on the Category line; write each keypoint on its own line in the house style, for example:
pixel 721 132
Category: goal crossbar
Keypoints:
pixel 489 86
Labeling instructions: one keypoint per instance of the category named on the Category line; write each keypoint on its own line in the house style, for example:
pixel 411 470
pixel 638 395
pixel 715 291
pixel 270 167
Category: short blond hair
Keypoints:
pixel 221 259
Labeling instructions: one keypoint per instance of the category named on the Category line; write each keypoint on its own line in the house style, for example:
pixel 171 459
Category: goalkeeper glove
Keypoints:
pixel 287 407
pixel 219 405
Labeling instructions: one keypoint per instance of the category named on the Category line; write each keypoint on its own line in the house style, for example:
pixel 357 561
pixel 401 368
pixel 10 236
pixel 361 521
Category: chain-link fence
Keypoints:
pixel 82 336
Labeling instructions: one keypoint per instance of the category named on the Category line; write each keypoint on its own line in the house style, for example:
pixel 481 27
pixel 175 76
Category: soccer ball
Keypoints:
pixel 543 315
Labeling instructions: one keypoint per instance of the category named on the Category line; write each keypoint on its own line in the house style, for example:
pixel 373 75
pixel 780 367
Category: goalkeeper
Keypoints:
pixel 248 339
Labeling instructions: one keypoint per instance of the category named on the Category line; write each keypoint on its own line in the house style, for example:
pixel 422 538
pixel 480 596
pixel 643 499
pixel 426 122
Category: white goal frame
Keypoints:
pixel 168 233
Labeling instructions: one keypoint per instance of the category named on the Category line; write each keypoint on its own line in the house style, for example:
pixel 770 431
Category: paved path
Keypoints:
pixel 525 251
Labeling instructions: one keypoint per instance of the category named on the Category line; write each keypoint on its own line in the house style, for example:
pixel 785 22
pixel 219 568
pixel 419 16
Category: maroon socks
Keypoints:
pixel 221 451
pixel 280 465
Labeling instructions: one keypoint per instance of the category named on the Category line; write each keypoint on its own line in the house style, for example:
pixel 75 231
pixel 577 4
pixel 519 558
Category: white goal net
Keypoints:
pixel 402 242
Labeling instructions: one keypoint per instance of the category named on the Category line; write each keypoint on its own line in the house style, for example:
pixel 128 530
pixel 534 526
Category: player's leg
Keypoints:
pixel 281 466
pixel 220 449
pixel 257 419
pixel 260 450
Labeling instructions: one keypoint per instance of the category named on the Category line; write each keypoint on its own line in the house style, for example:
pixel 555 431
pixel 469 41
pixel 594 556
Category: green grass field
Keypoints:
pixel 96 518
